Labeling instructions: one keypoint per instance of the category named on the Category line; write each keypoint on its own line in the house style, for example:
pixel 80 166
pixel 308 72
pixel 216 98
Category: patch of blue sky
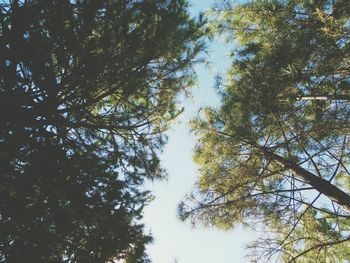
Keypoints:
pixel 176 241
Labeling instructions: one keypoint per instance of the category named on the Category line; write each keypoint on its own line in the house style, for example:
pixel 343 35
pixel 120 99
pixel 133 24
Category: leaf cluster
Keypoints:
pixel 86 90
pixel 282 126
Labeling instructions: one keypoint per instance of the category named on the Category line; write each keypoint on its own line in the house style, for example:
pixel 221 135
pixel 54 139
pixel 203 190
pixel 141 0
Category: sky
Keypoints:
pixel 176 241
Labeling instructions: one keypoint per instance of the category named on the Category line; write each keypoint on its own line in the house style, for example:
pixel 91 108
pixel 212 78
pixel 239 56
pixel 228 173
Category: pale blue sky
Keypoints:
pixel 175 239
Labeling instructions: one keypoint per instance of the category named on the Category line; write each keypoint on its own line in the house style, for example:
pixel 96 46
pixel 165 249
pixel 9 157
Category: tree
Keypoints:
pixel 317 238
pixel 86 90
pixel 275 153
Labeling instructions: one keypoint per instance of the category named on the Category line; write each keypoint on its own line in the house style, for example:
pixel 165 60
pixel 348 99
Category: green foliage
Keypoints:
pixel 319 239
pixel 280 138
pixel 314 238
pixel 86 90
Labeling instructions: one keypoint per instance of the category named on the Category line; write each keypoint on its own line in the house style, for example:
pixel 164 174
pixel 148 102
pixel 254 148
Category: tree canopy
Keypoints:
pixel 86 90
pixel 275 154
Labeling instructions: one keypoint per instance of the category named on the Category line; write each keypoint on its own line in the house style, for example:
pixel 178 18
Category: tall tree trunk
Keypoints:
pixel 321 185
pixel 325 97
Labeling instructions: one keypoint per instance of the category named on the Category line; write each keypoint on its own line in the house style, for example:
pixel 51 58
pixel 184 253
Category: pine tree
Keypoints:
pixel 277 148
pixel 86 90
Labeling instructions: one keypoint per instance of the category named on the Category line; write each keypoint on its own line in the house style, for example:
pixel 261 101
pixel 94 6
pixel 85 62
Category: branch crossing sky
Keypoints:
pixel 176 241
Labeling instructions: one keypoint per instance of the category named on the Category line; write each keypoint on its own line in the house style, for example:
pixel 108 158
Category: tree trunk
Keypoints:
pixel 325 97
pixel 321 185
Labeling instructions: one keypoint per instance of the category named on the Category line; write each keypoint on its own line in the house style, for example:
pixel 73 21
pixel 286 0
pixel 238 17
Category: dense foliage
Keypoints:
pixel 276 153
pixel 86 90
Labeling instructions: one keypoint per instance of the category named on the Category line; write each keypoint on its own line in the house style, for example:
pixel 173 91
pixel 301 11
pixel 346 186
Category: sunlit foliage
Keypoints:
pixel 276 153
